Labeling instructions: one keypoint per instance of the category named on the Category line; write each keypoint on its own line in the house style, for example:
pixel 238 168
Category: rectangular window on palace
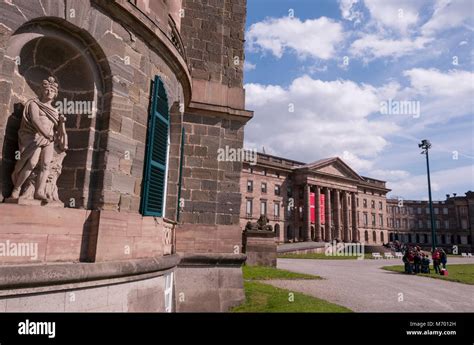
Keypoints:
pixel 249 186
pixel 445 210
pixel 372 204
pixel 446 224
pixel 276 210
pixel 381 220
pixel 277 189
pixel 373 219
pixel 365 202
pixel 249 207
pixel 366 219
pixel 380 205
pixel 263 208
pixel 264 187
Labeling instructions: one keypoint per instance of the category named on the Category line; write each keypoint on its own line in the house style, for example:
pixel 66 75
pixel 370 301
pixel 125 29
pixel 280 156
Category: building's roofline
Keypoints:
pixel 300 165
pixel 371 178
pixel 277 157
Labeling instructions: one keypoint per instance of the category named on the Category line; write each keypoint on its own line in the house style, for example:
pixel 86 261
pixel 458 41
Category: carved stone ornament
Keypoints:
pixel 42 141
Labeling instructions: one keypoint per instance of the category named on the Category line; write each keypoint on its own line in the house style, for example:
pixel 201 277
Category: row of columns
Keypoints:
pixel 339 213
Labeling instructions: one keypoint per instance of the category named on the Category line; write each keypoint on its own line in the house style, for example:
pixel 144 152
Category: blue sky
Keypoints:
pixel 328 78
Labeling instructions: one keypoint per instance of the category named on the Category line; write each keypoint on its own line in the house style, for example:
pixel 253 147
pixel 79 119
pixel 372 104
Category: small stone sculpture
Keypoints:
pixel 261 225
pixel 42 140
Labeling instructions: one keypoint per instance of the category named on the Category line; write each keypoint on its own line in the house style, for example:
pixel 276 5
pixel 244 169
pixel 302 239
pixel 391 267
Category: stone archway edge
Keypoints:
pixel 26 276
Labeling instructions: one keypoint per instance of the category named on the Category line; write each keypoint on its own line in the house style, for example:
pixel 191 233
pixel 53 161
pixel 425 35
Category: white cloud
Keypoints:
pixel 348 12
pixel 442 182
pixel 248 66
pixel 399 15
pixel 355 162
pixel 372 46
pixel 449 14
pixel 435 83
pixel 329 117
pixel 443 95
pixel 389 175
pixel 316 38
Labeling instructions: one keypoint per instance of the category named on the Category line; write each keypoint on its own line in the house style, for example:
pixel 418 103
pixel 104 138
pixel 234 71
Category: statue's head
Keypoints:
pixel 49 89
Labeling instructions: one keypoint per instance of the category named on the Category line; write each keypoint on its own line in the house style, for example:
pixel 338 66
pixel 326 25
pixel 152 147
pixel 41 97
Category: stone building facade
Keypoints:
pixel 108 245
pixel 409 221
pixel 321 201
pixel 284 191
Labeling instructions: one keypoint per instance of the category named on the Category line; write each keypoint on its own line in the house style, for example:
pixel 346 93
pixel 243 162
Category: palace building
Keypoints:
pixel 322 201
pixel 327 200
pixel 409 221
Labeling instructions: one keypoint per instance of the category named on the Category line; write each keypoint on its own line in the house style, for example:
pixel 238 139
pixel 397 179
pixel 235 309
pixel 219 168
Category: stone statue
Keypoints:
pixel 261 224
pixel 42 140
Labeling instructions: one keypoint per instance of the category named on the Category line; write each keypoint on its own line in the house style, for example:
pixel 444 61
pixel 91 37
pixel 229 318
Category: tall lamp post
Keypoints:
pixel 426 145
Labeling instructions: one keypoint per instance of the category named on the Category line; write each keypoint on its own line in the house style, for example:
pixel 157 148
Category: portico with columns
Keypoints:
pixel 340 186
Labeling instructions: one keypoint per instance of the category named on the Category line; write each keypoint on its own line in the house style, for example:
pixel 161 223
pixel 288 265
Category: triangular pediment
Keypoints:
pixel 335 167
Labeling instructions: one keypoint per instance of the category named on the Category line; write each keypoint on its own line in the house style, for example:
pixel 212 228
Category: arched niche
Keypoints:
pixel 54 47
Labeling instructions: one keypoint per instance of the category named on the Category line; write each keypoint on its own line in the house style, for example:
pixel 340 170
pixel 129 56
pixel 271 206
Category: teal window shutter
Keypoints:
pixel 154 172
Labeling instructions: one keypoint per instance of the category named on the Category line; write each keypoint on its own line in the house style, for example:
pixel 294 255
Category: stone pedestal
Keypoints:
pixel 260 248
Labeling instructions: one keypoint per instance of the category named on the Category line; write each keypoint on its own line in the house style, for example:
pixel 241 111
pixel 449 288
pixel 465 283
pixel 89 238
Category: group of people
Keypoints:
pixel 416 261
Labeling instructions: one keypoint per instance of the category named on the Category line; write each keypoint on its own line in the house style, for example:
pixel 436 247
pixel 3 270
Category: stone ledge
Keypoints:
pixel 259 233
pixel 23 276
pixel 219 110
pixel 211 259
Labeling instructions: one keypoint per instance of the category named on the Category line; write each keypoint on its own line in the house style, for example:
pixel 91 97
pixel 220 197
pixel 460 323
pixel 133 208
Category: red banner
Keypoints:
pixel 313 209
pixel 322 208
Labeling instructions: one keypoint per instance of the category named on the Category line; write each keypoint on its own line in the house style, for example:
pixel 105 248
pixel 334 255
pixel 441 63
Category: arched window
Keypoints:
pixel 366 236
pixel 277 230
pixel 390 236
pixel 155 167
pixel 374 236
pixel 382 237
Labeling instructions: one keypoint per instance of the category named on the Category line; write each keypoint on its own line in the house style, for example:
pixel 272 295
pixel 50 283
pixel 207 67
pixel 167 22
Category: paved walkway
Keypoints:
pixel 362 285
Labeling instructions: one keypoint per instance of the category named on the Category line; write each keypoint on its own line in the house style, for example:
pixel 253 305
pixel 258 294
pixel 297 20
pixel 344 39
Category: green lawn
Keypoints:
pixel 266 298
pixel 320 256
pixel 457 273
pixel 265 273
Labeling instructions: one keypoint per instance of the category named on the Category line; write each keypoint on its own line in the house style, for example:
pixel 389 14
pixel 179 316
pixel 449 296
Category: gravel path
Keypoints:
pixel 363 286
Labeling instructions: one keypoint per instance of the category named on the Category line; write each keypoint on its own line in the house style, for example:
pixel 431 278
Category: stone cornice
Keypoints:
pixel 35 275
pixel 211 259
pixel 221 111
